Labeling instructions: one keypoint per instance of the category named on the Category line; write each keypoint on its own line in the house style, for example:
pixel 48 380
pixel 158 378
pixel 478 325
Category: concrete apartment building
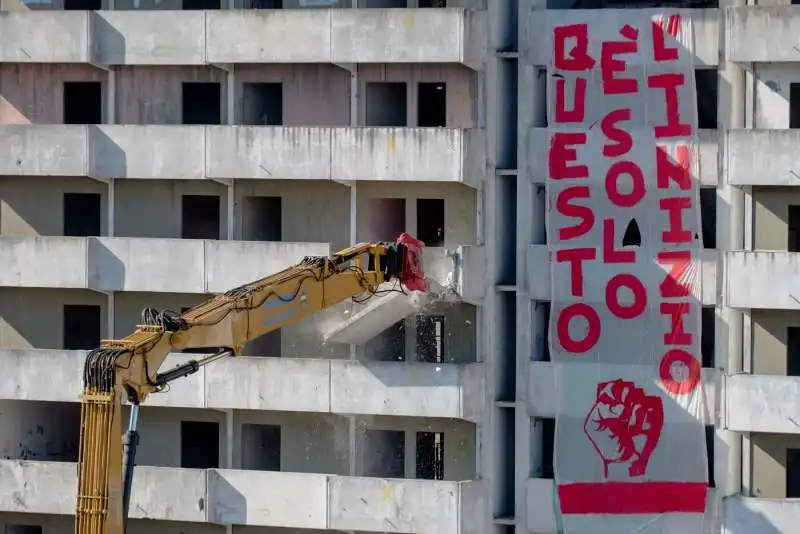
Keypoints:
pixel 153 153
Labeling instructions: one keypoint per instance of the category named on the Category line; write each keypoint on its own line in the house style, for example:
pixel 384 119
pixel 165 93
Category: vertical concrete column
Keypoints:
pixel 230 193
pixel 730 236
pixel 111 118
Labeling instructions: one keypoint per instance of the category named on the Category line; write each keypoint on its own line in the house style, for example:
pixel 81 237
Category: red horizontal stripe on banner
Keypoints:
pixel 633 497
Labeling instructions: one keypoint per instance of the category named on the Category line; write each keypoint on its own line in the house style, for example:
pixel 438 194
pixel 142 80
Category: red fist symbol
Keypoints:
pixel 624 425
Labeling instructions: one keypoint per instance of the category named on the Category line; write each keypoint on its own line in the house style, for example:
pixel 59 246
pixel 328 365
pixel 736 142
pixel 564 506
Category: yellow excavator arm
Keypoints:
pixel 129 368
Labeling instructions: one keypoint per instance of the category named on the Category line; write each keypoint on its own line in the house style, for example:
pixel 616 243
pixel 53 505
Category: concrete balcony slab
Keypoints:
pixel 543 398
pixel 762 403
pixel 539 274
pixel 760 515
pixel 168 37
pixel 763 157
pixel 762 33
pixel 244 152
pixel 258 498
pixel 762 280
pixel 144 264
pixel 535 47
pixel 411 389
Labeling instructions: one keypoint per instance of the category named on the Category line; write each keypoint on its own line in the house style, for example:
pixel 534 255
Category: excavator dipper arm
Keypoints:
pixel 129 368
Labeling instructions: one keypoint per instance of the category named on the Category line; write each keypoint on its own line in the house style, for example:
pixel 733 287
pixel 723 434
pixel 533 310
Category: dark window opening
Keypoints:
pixel 83 103
pixel 794 105
pixel 432 105
pixel 386 104
pixel 795 2
pixel 262 4
pixel 262 104
pixel 708 217
pixel 706 81
pixel 389 345
pixel 23 529
pixel 794 229
pixel 546 348
pixel 81 327
pixel 83 5
pixel 262 219
pixel 81 214
pixel 194 5
pixel 199 445
pixel 432 3
pixel 792 473
pixel 430 455
pixel 707 342
pixel 261 447
pixel 387 218
pixel 430 338
pixel 200 216
pixel 710 436
pixel 383 3
pixel 269 345
pixel 793 351
pixel 201 102
pixel 384 453
pixel 548 446
pixel 430 221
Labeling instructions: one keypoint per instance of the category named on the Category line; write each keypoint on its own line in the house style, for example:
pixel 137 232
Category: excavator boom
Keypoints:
pixel 129 368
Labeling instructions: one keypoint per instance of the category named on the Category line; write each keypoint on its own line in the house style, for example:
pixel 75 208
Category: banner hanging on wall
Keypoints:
pixel 624 234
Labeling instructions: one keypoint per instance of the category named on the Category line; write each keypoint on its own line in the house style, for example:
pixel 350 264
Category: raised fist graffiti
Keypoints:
pixel 624 425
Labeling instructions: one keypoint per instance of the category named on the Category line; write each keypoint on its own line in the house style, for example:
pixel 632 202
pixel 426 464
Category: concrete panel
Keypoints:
pixel 542 397
pixel 743 514
pixel 151 265
pixel 539 274
pixel 167 494
pixel 392 505
pixel 542 519
pixel 778 161
pixel 408 154
pixel 535 47
pixel 269 152
pixel 762 403
pixel 43 262
pixel 295 500
pixel 62 383
pixel 472 278
pixel 152 151
pixel 43 150
pixel 149 37
pixel 271 36
pixel 44 37
pixel 762 279
pixel 762 33
pixel 230 264
pixel 538 140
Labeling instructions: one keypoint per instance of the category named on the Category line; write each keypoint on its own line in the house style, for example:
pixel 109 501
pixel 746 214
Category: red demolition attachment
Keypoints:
pixel 413 276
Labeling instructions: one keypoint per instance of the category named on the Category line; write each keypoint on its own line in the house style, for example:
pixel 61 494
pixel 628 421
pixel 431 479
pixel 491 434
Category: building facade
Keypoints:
pixel 155 153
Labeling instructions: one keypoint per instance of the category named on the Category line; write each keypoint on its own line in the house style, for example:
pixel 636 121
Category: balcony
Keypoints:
pixel 538 141
pixel 142 264
pixel 342 36
pixel 244 152
pixel 536 46
pixel 763 403
pixel 763 280
pixel 777 162
pixel 543 398
pixel 542 519
pixel 539 275
pixel 743 514
pixel 763 33
pixel 258 498
pixel 408 389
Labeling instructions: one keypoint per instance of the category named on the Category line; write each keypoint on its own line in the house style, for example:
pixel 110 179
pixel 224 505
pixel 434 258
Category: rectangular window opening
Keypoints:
pixel 430 338
pixel 262 219
pixel 82 214
pixel 83 103
pixel 548 446
pixel 383 3
pixel 706 81
pixel 430 455
pixel 23 529
pixel 201 101
pixel 384 453
pixel 261 447
pixel 708 217
pixel 794 105
pixel 82 325
pixel 707 341
pixel 546 347
pixel 793 351
pixel 430 221
pixel 262 104
pixel 263 4
pixel 432 3
pixel 432 104
pixel 792 473
pixel 386 218
pixel 794 229
pixel 386 104
pixel 199 445
pixel 195 5
pixel 710 436
pixel 200 216
pixel 83 5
